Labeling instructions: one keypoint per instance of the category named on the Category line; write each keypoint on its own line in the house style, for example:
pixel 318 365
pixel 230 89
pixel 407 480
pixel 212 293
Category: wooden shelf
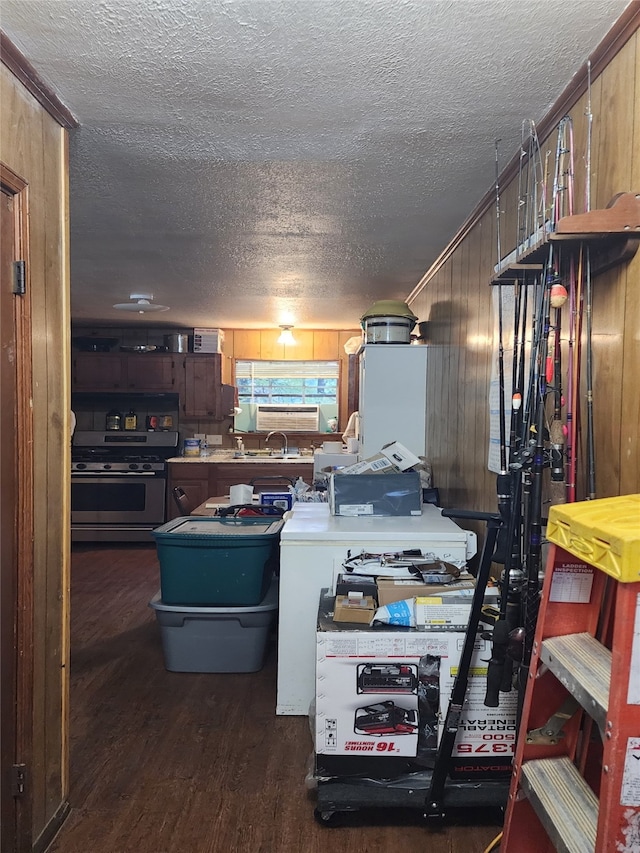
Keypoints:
pixel 612 233
pixel 621 217
pixel 516 272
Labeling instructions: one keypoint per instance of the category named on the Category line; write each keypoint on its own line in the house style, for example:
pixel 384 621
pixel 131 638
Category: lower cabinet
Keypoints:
pixel 193 479
pixel 262 476
pixel 202 480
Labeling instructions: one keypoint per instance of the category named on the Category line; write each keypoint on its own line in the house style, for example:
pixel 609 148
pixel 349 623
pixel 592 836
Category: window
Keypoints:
pixel 288 382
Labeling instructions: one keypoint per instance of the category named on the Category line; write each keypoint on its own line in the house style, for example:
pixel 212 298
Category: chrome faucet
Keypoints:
pixel 285 445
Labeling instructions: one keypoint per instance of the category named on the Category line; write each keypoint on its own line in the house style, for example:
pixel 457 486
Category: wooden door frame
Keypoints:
pixel 23 446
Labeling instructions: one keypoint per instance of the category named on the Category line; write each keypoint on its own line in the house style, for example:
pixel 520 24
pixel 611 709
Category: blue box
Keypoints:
pixel 284 500
pixel 217 562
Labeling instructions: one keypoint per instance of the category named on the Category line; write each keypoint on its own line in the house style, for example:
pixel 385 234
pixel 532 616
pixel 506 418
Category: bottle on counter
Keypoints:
pixel 131 420
pixel 113 420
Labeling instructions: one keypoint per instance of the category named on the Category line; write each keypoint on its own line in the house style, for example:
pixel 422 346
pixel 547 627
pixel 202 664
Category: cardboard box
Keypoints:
pixel 399 589
pixel 392 457
pixel 208 340
pixel 372 494
pixel 354 610
pixel 365 584
pixel 284 500
pixel 442 612
pixel 382 697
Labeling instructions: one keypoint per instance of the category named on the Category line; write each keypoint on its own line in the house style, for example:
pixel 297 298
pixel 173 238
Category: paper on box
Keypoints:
pixel 392 457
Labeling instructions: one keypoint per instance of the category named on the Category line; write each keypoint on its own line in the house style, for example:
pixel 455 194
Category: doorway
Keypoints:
pixel 16 518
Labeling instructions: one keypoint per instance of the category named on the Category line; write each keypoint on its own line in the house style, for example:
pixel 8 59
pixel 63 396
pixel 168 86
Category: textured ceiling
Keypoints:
pixel 257 162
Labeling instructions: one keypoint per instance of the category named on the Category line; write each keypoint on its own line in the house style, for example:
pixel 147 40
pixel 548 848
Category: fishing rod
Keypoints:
pixel 503 481
pixel 531 586
pixel 558 294
pixel 588 296
pixel 569 451
pixel 553 294
pixel 508 550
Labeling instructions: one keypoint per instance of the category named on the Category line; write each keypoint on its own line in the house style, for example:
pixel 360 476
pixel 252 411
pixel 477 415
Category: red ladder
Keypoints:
pixel 571 791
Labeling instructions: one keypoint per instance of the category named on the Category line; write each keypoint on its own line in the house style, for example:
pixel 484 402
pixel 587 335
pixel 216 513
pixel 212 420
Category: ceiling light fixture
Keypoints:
pixel 286 336
pixel 140 303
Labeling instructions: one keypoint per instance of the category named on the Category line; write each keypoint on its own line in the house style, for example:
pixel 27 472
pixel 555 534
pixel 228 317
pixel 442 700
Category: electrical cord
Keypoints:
pixel 493 845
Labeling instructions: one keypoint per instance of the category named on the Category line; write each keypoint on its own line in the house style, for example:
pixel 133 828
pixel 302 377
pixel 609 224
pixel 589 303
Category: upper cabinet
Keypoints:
pixel 151 372
pixel 200 388
pixel 196 377
pixel 98 371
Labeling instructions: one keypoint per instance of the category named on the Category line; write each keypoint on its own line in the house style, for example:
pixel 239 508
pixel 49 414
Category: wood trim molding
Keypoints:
pixel 21 68
pixel 19 189
pixel 613 42
pixel 52 828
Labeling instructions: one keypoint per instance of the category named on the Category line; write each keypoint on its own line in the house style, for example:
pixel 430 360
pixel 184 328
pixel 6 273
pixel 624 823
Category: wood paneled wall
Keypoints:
pixel 455 297
pixel 311 344
pixel 34 146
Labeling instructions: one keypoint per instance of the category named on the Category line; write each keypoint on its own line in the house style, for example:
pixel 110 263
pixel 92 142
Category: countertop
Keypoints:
pixel 227 456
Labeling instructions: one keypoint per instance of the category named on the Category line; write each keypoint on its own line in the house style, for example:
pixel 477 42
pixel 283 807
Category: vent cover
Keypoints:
pixel 304 418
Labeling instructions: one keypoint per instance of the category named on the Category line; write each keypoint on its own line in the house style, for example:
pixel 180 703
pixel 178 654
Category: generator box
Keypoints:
pixel 382 697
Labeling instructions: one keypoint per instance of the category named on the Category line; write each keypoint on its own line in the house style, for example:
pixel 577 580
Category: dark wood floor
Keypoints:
pixel 191 763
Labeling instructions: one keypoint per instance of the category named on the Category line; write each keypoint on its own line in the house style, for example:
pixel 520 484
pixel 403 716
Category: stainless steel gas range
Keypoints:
pixel 119 484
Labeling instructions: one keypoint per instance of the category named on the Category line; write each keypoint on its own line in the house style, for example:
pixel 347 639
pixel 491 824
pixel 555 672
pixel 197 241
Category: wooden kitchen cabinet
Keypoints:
pixel 98 371
pixel 202 480
pixel 269 476
pixel 150 372
pixel 201 386
pixel 107 371
pixel 193 478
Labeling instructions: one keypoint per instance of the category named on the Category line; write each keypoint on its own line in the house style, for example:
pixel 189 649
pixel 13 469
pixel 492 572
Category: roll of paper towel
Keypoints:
pixel 240 494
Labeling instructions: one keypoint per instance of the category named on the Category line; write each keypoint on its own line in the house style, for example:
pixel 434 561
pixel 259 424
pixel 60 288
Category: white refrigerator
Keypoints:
pixel 313 545
pixel 393 397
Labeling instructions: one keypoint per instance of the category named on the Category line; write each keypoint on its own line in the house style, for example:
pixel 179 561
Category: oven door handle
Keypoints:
pixel 116 473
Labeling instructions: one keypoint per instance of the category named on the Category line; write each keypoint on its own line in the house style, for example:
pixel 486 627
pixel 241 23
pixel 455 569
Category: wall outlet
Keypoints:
pixel 213 440
pixel 199 435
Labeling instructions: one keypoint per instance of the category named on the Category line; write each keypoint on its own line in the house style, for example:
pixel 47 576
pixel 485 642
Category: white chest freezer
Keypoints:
pixel 314 544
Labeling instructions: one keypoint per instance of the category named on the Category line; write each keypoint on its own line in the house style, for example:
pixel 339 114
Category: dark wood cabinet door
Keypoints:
pixel 267 477
pixel 193 478
pixel 201 386
pixel 150 372
pixel 98 371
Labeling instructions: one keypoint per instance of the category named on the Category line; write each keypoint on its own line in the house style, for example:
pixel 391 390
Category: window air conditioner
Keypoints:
pixel 303 418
